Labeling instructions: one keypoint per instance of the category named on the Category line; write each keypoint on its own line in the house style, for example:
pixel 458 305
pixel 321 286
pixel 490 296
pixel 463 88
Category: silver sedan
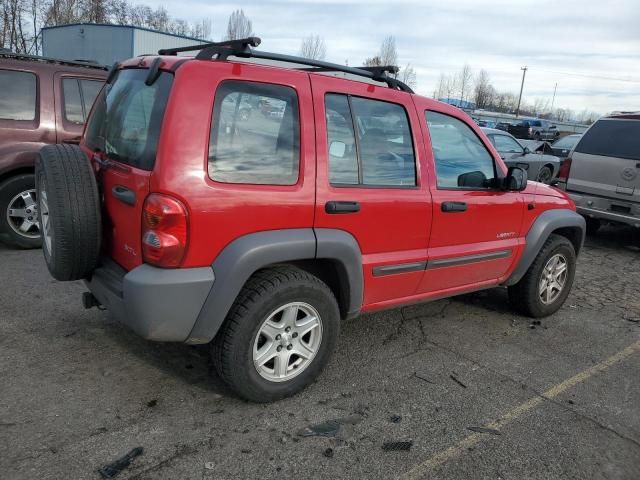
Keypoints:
pixel 540 167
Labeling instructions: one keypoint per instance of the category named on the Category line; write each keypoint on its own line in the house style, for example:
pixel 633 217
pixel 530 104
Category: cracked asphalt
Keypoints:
pixel 562 398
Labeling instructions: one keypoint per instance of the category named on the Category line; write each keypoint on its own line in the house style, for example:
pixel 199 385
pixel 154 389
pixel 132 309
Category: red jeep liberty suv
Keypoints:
pixel 255 206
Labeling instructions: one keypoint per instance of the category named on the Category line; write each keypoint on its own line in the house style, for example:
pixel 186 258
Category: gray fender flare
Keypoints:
pixel 249 253
pixel 544 226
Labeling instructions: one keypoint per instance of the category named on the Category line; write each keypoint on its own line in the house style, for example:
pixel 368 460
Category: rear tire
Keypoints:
pixel 526 296
pixel 254 341
pixel 18 212
pixel 69 211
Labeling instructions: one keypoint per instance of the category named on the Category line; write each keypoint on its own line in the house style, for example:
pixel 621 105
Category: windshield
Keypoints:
pixel 126 120
pixel 567 143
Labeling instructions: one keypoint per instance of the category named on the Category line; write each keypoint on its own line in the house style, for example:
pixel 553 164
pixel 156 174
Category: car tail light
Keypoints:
pixel 563 173
pixel 164 231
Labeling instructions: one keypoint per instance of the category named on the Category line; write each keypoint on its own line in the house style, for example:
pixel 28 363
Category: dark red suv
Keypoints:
pixel 255 207
pixel 42 101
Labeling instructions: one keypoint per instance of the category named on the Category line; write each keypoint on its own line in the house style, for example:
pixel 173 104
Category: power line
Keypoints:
pixel 585 75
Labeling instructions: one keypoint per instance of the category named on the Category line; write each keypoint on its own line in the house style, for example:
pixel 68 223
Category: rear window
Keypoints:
pixel 255 136
pixel 126 121
pixel 18 95
pixel 612 138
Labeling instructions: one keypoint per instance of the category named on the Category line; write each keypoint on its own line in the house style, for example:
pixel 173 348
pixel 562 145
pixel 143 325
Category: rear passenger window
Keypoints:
pixel 377 152
pixel 72 101
pixel 462 161
pixel 18 97
pixel 255 134
pixel 612 138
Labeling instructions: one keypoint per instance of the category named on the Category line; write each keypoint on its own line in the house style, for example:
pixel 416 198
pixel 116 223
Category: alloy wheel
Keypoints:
pixel 22 214
pixel 287 341
pixel 553 278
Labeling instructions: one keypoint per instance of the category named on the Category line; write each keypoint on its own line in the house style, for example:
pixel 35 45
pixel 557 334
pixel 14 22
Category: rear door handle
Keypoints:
pixel 452 207
pixel 124 195
pixel 334 207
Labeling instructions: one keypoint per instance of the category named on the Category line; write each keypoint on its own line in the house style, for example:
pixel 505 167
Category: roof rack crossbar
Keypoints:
pixel 240 44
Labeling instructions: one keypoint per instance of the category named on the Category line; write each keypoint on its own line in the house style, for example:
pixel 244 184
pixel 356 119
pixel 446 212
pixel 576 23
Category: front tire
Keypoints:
pixel 278 335
pixel 547 283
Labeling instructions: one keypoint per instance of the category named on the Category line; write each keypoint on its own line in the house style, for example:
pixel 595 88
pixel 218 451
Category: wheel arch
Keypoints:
pixel 560 221
pixel 331 255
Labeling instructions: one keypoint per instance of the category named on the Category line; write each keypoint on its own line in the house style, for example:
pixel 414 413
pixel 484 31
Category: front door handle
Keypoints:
pixel 124 195
pixel 334 207
pixel 453 207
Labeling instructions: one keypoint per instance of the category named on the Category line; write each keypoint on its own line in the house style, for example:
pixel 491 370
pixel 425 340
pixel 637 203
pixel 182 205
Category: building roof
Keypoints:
pixel 112 25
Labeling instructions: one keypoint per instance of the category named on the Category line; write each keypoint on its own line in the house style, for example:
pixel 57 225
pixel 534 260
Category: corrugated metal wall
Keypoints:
pixel 103 44
pixel 148 42
pixel 106 44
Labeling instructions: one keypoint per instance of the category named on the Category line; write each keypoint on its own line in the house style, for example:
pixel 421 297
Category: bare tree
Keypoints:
pixel 388 53
pixel 463 81
pixel 483 90
pixel 313 47
pixel 239 26
pixel 408 76
pixel 373 61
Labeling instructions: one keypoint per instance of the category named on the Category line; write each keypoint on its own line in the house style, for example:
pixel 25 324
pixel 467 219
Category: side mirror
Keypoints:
pixel 472 180
pixel 337 149
pixel 526 151
pixel 516 179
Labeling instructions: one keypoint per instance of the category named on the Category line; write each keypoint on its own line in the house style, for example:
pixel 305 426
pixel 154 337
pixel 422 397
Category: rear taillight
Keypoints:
pixel 164 231
pixel 563 173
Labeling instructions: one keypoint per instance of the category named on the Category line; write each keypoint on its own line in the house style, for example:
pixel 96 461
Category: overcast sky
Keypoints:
pixel 591 48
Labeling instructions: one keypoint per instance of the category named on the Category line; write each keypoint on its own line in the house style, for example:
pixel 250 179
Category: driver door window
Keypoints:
pixel 462 160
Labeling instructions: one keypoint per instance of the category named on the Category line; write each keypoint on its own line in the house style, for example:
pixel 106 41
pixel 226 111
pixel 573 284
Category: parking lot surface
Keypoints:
pixel 558 399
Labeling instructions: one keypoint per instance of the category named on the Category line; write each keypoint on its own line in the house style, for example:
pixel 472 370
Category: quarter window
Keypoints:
pixel 78 96
pixel 369 142
pixel 255 134
pixel 18 97
pixel 462 161
pixel 73 110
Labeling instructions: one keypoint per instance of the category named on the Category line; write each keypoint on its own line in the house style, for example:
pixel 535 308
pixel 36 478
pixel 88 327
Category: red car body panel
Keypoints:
pixel 394 225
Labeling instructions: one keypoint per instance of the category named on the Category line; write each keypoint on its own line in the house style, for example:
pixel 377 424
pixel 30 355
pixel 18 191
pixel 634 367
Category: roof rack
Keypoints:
pixel 72 63
pixel 242 48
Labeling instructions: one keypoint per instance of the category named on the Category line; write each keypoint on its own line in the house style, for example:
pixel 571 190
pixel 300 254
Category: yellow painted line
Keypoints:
pixel 445 455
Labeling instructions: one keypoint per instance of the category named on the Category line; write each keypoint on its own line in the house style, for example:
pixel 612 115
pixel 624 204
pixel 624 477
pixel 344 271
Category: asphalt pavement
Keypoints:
pixel 468 388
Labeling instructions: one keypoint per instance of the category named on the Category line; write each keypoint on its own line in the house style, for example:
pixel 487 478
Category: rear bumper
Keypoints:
pixel 158 304
pixel 604 209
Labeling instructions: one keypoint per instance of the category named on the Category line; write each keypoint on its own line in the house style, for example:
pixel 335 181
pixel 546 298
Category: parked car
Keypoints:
pixel 563 146
pixel 534 130
pixel 503 126
pixel 485 123
pixel 602 172
pixel 539 166
pixel 42 101
pixel 260 239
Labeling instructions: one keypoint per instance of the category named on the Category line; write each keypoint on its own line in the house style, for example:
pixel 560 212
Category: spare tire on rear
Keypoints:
pixel 69 211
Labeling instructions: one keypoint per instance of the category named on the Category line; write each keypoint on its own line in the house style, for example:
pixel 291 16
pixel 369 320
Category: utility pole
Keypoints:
pixel 554 96
pixel 524 72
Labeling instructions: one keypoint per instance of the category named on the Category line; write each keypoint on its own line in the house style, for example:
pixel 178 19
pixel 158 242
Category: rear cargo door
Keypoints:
pixel 606 161
pixel 122 138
